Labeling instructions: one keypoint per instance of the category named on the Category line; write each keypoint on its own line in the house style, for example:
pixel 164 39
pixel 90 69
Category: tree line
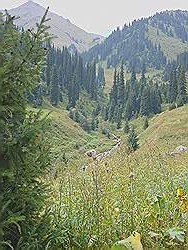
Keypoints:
pixel 142 97
pixel 133 98
pixel 65 76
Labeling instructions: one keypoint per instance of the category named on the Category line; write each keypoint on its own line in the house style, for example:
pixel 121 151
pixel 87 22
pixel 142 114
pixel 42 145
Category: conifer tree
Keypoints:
pixel 132 140
pixel 126 127
pixel 100 76
pixel 145 102
pixel 155 99
pixel 173 87
pixel 24 156
pixel 113 98
pixel 119 119
pixel 121 86
pixel 182 92
pixel 54 88
pixel 146 123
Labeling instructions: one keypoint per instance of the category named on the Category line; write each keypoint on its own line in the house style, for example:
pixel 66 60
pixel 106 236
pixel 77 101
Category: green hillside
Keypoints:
pixel 131 188
pixel 152 42
pixel 69 141
pixel 171 46
pixel 129 192
pixel 168 129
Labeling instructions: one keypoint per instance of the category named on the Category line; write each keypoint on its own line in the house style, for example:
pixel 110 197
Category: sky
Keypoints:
pixel 102 16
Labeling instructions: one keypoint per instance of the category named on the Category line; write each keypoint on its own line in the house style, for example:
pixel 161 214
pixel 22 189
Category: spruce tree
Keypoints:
pixel 54 88
pixel 121 86
pixel 113 98
pixel 182 92
pixel 155 99
pixel 146 123
pixel 119 119
pixel 24 154
pixel 173 87
pixel 145 102
pixel 126 127
pixel 100 76
pixel 132 140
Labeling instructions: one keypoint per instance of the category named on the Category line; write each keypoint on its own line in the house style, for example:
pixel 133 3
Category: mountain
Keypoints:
pixel 149 41
pixel 66 33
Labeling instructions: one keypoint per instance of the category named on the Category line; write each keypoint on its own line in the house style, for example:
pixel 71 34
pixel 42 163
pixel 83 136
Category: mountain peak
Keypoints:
pixel 65 33
pixel 30 5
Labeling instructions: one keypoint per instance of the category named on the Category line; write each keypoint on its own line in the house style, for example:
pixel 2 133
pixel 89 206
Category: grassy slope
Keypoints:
pixel 69 139
pixel 168 129
pixel 170 46
pixel 108 203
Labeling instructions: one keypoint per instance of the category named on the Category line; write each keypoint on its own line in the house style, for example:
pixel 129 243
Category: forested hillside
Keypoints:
pixel 149 41
pixel 65 76
pixel 86 168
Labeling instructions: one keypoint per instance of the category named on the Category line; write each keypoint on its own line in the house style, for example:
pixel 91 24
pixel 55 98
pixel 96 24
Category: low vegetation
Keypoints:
pixel 53 195
pixel 96 207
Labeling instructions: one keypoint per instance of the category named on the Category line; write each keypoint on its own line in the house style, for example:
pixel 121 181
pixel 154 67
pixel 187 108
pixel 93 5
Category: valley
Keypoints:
pixel 93 133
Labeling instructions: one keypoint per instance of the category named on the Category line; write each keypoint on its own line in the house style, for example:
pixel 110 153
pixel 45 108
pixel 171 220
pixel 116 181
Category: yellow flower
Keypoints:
pixel 132 242
pixel 180 192
pixel 183 204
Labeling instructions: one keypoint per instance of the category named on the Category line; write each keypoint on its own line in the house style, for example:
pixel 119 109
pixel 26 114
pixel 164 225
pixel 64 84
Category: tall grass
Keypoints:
pixel 106 202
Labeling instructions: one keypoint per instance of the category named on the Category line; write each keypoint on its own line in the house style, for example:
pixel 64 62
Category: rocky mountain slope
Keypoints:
pixel 66 33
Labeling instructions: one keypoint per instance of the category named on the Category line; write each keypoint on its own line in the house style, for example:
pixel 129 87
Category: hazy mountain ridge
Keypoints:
pixel 66 33
pixel 151 41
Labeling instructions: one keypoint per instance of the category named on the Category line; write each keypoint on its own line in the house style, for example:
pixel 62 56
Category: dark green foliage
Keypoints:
pixel 177 92
pixel 67 75
pixel 146 123
pixel 94 124
pixel 113 98
pixel 145 102
pixel 133 98
pixel 182 59
pixel 100 76
pixel 97 110
pixel 132 140
pixel 86 125
pixel 121 87
pixel 182 90
pixel 126 127
pixel 179 101
pixel 24 154
pixel 35 97
pixel 54 88
pixel 155 99
pixel 106 131
pixel 119 123
pixel 81 114
pixel 173 87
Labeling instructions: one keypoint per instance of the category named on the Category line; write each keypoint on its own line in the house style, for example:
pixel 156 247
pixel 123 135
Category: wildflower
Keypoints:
pixel 131 175
pixel 183 204
pixel 116 209
pixel 132 242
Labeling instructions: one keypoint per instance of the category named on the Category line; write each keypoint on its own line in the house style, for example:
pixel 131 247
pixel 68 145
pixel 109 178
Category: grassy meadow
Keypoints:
pixel 94 207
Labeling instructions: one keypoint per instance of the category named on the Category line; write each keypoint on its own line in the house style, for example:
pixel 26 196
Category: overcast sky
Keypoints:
pixel 102 16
